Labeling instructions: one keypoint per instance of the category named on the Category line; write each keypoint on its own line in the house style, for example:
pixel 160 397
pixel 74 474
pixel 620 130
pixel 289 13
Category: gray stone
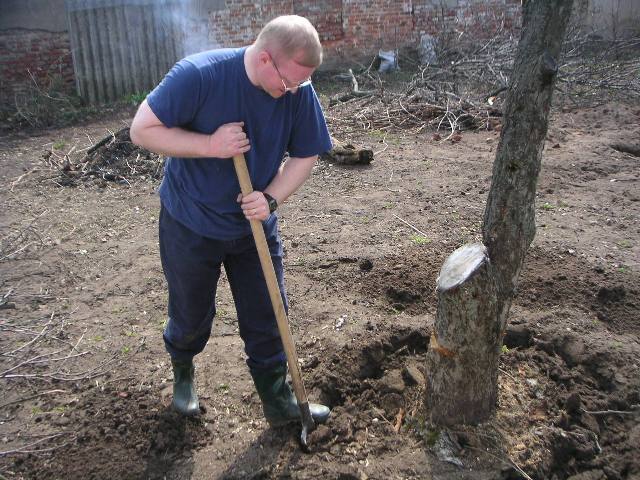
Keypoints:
pixel 392 382
pixel 413 375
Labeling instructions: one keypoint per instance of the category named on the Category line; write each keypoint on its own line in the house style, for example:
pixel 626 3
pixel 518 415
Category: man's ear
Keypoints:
pixel 264 57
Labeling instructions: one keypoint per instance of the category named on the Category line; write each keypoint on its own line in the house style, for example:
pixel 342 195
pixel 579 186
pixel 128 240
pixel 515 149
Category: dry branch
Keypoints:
pixel 42 352
pixel 19 240
pixel 27 448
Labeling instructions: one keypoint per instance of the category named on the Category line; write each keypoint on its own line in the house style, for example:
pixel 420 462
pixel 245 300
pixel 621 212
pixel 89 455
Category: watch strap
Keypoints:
pixel 273 203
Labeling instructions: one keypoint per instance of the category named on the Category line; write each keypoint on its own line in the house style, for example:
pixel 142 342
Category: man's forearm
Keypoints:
pixel 173 142
pixel 292 174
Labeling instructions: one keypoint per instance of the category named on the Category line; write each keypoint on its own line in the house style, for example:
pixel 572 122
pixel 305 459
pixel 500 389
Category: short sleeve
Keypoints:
pixel 309 135
pixel 176 100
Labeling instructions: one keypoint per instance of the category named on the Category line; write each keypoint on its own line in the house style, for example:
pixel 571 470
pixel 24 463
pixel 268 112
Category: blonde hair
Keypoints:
pixel 294 37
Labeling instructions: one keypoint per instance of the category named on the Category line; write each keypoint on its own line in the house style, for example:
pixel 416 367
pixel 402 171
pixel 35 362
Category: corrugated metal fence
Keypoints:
pixel 122 47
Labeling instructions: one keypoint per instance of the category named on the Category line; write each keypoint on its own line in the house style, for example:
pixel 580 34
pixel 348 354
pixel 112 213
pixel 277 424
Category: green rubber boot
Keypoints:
pixel 278 401
pixel 185 398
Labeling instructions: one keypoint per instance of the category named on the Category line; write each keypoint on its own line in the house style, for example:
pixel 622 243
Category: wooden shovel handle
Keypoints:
pixel 272 284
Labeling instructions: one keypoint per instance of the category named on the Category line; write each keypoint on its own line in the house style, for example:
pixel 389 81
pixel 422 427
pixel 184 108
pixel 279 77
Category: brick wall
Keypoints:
pixel 44 55
pixel 350 30
pixel 477 18
pixel 356 29
pixel 239 22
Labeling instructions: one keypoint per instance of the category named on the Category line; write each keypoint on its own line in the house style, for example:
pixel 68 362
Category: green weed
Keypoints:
pixel 420 239
pixel 431 437
pixel 136 99
pixel 377 133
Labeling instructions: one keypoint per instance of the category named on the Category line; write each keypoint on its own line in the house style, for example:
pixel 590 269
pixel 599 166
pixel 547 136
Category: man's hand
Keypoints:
pixel 254 206
pixel 229 140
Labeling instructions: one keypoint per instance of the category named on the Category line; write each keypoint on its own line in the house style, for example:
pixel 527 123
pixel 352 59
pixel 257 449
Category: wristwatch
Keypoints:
pixel 273 203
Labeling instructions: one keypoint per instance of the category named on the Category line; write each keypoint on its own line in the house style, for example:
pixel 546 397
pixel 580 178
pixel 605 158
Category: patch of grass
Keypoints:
pixel 136 99
pixel 223 388
pixel 504 349
pixel 98 338
pixel 59 145
pixel 420 239
pixel 377 133
pixel 547 206
pixel 431 437
pixel 625 243
pixel 381 135
pixel 299 262
pixel 125 349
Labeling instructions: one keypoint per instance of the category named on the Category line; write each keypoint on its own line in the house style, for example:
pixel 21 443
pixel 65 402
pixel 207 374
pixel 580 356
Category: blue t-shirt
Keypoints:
pixel 203 92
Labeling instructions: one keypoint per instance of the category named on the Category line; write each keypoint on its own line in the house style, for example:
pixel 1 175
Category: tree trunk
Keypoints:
pixel 509 218
pixel 462 362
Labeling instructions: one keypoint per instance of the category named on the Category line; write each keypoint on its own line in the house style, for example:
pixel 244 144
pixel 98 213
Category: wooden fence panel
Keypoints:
pixel 122 47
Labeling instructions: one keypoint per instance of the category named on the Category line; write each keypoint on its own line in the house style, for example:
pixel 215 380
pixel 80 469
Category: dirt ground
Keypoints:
pixel 86 383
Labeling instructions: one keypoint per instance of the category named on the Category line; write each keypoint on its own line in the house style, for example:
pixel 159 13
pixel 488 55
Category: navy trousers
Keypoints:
pixel 191 265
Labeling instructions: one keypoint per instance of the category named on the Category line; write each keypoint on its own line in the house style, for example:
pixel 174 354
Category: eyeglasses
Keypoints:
pixel 284 82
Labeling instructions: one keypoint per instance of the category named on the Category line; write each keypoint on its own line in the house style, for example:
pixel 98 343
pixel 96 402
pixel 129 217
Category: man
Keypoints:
pixel 256 101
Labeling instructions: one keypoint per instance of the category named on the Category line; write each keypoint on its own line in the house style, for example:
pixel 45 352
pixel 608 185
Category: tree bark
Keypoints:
pixel 509 218
pixel 462 361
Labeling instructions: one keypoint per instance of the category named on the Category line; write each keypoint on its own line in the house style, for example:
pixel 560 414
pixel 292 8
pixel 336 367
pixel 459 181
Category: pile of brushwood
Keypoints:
pixel 465 88
pixel 113 159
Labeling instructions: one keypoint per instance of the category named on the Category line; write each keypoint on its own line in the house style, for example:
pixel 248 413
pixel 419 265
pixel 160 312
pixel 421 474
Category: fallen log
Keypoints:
pixel 627 148
pixel 348 155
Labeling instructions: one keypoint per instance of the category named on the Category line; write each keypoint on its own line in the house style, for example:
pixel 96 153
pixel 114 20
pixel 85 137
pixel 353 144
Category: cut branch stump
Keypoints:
pixel 462 359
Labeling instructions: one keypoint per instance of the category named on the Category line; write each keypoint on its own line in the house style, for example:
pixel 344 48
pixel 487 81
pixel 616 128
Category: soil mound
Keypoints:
pixel 117 434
